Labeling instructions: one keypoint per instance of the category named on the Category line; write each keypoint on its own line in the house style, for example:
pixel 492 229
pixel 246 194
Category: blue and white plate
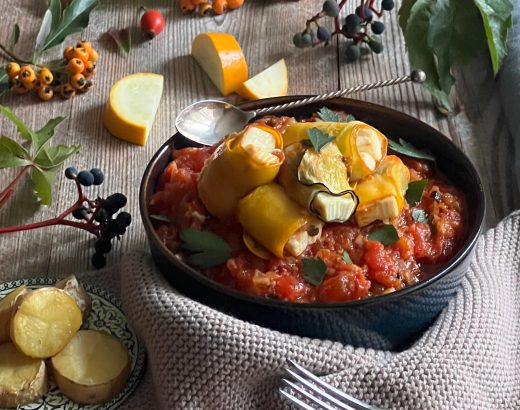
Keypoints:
pixel 106 315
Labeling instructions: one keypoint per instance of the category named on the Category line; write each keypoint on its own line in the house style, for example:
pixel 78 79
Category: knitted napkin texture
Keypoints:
pixel 200 358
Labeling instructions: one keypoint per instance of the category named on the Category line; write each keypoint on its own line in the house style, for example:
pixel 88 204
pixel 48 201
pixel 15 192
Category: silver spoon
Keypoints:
pixel 206 122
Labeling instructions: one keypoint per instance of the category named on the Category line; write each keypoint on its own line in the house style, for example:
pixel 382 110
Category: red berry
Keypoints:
pixel 152 23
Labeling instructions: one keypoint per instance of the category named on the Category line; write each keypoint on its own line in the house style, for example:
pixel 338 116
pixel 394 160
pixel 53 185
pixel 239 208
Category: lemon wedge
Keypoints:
pixel 132 106
pixel 221 57
pixel 272 82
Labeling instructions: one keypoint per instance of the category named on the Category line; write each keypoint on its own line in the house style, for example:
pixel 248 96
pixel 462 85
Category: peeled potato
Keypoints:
pixel 44 321
pixel 23 380
pixel 71 285
pixel 93 368
pixel 6 311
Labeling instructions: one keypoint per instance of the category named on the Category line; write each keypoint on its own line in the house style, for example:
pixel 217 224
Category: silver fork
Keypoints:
pixel 308 388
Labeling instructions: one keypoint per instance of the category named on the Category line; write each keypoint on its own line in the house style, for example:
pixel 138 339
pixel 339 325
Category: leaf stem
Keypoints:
pixel 17 58
pixel 9 190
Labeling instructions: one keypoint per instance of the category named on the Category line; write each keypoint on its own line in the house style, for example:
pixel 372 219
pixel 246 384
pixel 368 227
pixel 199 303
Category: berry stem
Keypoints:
pixel 9 190
pixel 16 58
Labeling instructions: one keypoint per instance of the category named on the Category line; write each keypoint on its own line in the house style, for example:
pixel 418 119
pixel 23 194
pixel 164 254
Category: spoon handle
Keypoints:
pixel 417 76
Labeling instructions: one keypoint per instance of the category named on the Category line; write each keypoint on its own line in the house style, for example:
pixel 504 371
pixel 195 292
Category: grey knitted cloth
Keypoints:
pixel 201 358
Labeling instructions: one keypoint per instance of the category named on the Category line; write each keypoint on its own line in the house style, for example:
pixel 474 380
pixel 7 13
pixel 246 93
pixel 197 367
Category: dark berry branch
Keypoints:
pixel 97 217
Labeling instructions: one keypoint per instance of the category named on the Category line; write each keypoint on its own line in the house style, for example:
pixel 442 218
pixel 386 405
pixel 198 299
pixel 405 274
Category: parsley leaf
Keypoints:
pixel 346 258
pixel 385 234
pixel 414 192
pixel 314 270
pixel 350 118
pixel 326 114
pixel 318 138
pixel 207 249
pixel 419 215
pixel 405 148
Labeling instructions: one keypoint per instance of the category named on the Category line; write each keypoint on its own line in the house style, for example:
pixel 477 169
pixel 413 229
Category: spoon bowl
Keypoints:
pixel 207 122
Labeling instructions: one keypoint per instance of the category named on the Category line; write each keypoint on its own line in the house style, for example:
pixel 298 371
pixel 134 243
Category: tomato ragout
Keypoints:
pixel 371 268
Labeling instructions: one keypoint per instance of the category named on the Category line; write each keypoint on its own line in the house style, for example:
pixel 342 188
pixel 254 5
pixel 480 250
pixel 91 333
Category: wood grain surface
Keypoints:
pixel 264 28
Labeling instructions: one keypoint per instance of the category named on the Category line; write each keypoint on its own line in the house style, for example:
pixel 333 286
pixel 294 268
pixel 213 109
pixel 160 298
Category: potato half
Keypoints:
pixel 71 285
pixel 44 321
pixel 23 380
pixel 93 368
pixel 6 311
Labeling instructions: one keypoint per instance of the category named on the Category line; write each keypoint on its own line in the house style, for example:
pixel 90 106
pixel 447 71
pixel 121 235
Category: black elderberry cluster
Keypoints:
pixel 359 26
pixel 103 214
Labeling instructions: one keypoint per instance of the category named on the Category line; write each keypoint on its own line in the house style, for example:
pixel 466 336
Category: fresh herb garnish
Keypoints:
pixel 415 190
pixel 36 154
pixel 385 234
pixel 405 148
pixel 314 270
pixel 207 249
pixel 162 218
pixel 326 114
pixel 346 258
pixel 123 39
pixel 318 138
pixel 419 215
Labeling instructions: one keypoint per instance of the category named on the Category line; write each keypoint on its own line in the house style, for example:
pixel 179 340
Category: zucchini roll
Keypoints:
pixel 243 162
pixel 381 194
pixel 275 221
pixel 318 181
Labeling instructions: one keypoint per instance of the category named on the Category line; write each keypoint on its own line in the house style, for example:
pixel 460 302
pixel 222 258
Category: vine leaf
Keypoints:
pixel 497 19
pixel 50 157
pixel 123 39
pixel 42 181
pixel 44 134
pixel 12 154
pixel 25 132
pixel 75 17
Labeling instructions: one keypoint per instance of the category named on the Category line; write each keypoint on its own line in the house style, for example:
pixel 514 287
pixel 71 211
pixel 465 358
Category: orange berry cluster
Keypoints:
pixel 204 7
pixel 80 66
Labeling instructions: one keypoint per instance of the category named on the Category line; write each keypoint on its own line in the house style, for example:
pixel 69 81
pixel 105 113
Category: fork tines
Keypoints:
pixel 309 392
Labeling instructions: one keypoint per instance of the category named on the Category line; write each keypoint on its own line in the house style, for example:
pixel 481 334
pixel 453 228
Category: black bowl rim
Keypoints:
pixel 473 235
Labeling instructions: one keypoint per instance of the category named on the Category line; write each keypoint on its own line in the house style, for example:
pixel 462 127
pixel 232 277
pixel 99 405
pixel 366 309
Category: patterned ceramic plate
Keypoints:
pixel 106 315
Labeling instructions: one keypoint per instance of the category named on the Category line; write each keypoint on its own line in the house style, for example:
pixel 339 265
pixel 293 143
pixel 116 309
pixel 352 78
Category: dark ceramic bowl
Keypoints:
pixel 389 321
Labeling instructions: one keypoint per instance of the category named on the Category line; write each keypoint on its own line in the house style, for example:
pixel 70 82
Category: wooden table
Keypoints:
pixel 264 28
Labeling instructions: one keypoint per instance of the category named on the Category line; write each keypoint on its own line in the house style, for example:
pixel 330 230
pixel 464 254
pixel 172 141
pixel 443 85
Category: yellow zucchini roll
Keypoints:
pixel 276 222
pixel 243 162
pixel 381 195
pixel 363 146
pixel 318 181
pixel 298 132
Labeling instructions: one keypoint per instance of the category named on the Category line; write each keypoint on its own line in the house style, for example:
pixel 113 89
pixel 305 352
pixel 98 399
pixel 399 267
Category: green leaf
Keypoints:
pixel 12 154
pixel 51 18
pixel 415 191
pixel 420 54
pixel 162 218
pixel 42 181
pixel 208 248
pixel 123 39
pixel 75 18
pixel 386 234
pixel 24 130
pixel 456 36
pixel 52 156
pixel 318 138
pixel 346 258
pixel 350 118
pixel 44 134
pixel 497 19
pixel 405 148
pixel 404 13
pixel 314 270
pixel 326 114
pixel 4 81
pixel 15 36
pixel 419 215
